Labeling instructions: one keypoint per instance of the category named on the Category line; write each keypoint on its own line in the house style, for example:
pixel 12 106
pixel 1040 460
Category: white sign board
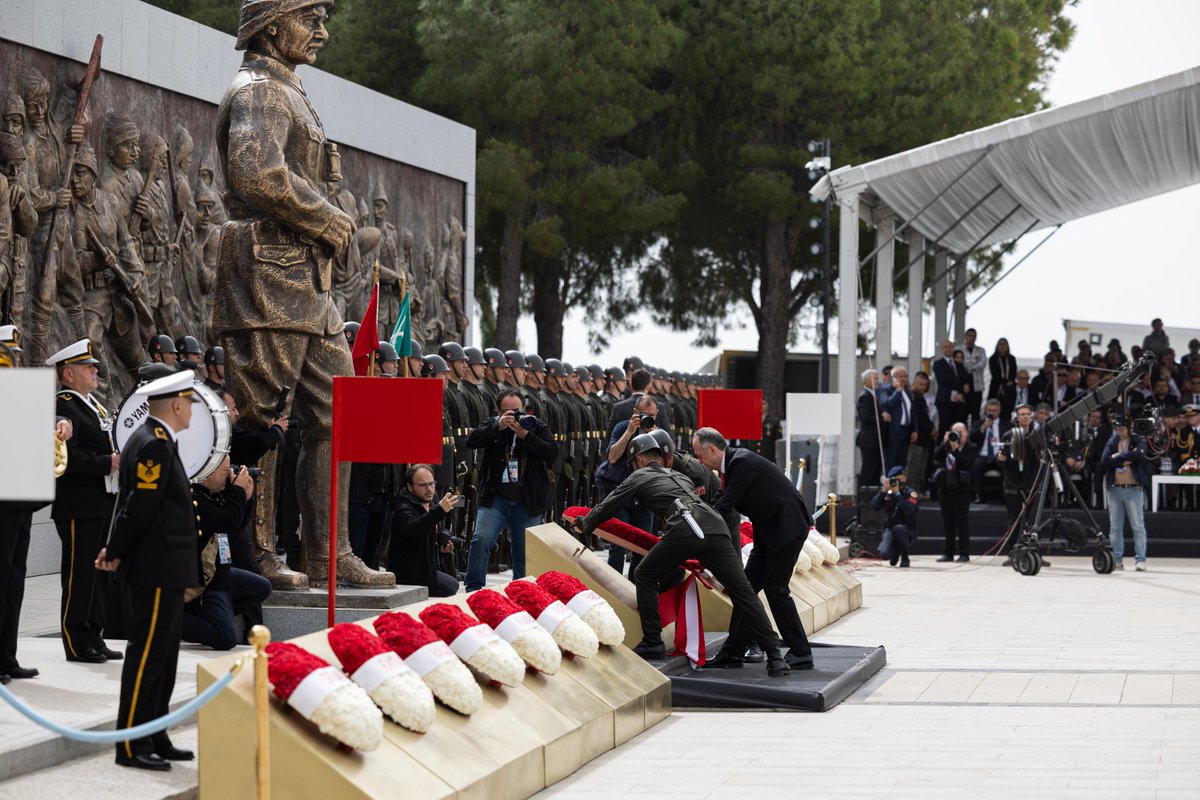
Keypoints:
pixel 27 434
pixel 814 415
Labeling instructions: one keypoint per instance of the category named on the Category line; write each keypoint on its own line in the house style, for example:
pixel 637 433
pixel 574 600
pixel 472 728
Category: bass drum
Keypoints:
pixel 203 445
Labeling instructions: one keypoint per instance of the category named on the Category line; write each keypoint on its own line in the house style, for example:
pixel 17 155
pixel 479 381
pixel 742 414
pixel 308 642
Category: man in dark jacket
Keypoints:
pixel 758 489
pixel 418 536
pixel 953 385
pixel 900 526
pixel 1124 464
pixel 514 483
pixel 872 430
pixel 152 548
pixel 953 463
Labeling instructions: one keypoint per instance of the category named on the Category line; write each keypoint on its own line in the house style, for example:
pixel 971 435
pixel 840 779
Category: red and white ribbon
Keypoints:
pixel 689 624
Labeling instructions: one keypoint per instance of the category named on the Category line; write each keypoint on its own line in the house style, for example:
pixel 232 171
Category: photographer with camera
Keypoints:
pixel 900 528
pixel 1124 464
pixel 616 469
pixel 419 535
pixel 514 490
pixel 222 502
pixel 954 462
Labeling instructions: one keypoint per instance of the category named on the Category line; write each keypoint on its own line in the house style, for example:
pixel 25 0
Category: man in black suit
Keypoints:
pixel 83 503
pixel 872 430
pixel 153 549
pixel 623 410
pixel 1043 382
pixel 988 437
pixel 902 422
pixel 953 385
pixel 759 490
pixel 954 461
pixel 922 443
pixel 1021 393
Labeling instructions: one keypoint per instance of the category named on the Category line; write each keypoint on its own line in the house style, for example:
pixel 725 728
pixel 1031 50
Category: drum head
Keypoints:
pixel 203 445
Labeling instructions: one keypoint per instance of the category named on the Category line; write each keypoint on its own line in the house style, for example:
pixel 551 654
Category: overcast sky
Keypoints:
pixel 1126 265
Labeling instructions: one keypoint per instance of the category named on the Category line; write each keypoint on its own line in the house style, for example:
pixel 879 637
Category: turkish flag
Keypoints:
pixel 736 413
pixel 367 341
pixel 387 420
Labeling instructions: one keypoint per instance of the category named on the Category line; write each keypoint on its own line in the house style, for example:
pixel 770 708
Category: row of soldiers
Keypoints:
pixel 576 402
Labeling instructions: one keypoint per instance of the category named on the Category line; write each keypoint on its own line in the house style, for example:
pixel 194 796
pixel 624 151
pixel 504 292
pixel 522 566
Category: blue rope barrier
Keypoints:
pixel 121 735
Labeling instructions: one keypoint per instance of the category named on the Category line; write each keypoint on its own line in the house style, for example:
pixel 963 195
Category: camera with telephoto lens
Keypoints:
pixel 254 471
pixel 523 418
pixel 646 421
pixel 953 436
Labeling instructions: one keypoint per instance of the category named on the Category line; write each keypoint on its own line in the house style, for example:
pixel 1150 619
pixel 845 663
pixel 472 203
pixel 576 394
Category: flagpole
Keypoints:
pixel 403 296
pixel 371 359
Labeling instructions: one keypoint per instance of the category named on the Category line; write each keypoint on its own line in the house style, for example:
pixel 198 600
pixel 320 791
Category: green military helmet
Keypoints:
pixel 642 444
pixel 535 363
pixel 663 438
pixel 554 368
pixel 475 356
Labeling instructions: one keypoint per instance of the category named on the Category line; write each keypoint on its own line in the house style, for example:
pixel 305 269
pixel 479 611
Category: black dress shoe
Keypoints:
pixel 21 672
pixel 149 761
pixel 963 559
pixel 893 560
pixel 89 656
pixel 776 666
pixel 173 753
pixel 754 655
pixel 944 559
pixel 651 650
pixel 799 662
pixel 904 561
pixel 109 653
pixel 724 660
pixel 6 680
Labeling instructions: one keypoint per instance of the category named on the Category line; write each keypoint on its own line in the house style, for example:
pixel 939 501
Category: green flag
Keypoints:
pixel 401 338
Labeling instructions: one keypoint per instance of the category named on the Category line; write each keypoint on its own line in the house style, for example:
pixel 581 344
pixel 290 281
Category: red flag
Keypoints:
pixel 367 341
pixel 359 408
pixel 736 413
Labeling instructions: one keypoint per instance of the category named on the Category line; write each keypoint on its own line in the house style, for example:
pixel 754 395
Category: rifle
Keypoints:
pixel 144 316
pixel 175 250
pixel 135 218
pixel 85 93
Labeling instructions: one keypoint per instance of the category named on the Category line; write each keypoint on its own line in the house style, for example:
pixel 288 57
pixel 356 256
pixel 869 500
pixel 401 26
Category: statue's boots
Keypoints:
pixel 272 565
pixel 312 473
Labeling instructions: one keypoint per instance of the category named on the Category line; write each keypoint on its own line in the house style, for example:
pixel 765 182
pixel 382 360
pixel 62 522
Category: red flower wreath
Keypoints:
pixel 355 645
pixel 404 634
pixel 529 596
pixel 492 607
pixel 447 621
pixel 289 664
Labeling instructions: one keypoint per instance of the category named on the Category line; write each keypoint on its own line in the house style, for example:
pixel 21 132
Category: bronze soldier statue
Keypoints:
pixel 453 240
pixel 18 221
pixel 207 244
pixel 272 303
pixel 157 230
pixel 390 266
pixel 208 179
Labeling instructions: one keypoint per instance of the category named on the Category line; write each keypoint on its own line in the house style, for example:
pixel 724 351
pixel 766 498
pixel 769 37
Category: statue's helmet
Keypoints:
pixel 85 156
pixel 256 15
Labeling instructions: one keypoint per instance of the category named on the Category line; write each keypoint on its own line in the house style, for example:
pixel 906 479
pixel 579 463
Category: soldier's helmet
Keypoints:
pixel 475 356
pixel 554 368
pixel 386 352
pixel 596 371
pixel 642 444
pixel 215 356
pixel 189 345
pixel 584 373
pixel 567 369
pixel 535 362
pixel 85 156
pixel 632 363
pixel 614 374
pixel 351 331
pixel 664 440
pixel 161 344
pixel 435 365
pixel 515 360
pixel 452 351
pixel 493 357
pixel 416 349
pixel 258 14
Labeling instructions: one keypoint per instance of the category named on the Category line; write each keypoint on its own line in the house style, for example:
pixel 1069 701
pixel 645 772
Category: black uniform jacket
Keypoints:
pixel 657 488
pixel 155 531
pixel 534 453
pixel 80 493
pixel 416 536
pixel 760 490
pixel 221 512
pixel 708 486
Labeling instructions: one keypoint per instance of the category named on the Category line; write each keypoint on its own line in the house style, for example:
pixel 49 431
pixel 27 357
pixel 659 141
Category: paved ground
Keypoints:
pixel 1064 685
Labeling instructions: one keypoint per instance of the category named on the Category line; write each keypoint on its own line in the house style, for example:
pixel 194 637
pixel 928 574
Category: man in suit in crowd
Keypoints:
pixel 756 488
pixel 953 385
pixel 988 437
pixel 1019 394
pixel 923 428
pixel 872 430
pixel 901 420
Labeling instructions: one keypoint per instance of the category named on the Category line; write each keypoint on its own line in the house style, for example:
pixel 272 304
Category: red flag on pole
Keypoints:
pixel 367 341
pixel 736 413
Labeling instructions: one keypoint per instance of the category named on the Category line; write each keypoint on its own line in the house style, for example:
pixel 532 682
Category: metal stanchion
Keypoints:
pixel 260 637
pixel 833 499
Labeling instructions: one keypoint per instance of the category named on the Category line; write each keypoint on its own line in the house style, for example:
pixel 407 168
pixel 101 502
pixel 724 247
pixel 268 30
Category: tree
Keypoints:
pixel 755 81
pixel 551 89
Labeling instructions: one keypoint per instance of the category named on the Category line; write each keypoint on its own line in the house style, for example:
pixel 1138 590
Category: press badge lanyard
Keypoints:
pixel 512 474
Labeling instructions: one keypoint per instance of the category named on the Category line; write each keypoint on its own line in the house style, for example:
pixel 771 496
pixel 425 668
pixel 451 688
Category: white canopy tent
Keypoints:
pixel 993 185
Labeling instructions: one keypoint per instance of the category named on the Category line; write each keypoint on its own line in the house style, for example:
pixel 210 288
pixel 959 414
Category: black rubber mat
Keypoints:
pixel 839 671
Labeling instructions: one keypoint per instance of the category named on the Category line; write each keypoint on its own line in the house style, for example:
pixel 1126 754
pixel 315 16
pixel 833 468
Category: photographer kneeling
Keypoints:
pixel 900 529
pixel 210 610
pixel 418 535
pixel 514 483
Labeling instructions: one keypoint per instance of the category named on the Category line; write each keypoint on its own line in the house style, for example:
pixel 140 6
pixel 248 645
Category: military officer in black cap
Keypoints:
pixel 693 530
pixel 152 549
pixel 83 503
pixel 214 367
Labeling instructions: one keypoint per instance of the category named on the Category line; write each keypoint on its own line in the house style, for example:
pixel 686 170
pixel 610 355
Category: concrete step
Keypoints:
pixel 97 777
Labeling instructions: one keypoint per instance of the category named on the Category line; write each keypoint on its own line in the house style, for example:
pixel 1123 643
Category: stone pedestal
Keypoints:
pixel 292 614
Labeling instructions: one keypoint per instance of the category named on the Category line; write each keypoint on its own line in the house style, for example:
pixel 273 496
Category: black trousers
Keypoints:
pixel 955 505
pixel 716 552
pixel 84 589
pixel 148 673
pixel 872 465
pixel 769 572
pixel 14 552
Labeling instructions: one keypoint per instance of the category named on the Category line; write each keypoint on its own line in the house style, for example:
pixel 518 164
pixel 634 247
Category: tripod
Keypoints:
pixel 1056 530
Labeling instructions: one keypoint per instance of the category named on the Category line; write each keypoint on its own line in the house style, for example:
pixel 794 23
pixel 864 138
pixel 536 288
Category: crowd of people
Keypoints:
pixel 949 438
